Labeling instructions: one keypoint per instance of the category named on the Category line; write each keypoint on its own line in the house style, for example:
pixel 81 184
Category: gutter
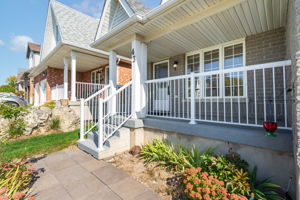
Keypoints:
pixel 136 18
pixel 41 67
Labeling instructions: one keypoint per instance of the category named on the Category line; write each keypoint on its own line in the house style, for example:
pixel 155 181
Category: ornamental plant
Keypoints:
pixel 200 185
pixel 15 180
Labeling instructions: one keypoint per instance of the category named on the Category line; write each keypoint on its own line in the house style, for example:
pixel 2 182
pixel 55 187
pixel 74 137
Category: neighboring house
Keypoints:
pixel 70 68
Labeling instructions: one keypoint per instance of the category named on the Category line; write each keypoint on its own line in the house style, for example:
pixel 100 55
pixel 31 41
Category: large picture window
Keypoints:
pixel 214 62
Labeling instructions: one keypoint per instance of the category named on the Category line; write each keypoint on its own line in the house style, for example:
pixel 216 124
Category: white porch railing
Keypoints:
pixel 248 96
pixel 89 111
pixel 57 92
pixel 106 113
pixel 84 90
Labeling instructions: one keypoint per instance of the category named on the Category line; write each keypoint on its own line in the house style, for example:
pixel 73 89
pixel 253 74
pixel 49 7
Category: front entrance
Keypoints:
pixel 43 92
pixel 161 101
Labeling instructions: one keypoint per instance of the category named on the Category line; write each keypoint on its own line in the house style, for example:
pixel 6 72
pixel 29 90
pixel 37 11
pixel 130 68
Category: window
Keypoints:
pixel 234 84
pixel 211 60
pixel 57 36
pixel 233 56
pixel 193 63
pixel 212 86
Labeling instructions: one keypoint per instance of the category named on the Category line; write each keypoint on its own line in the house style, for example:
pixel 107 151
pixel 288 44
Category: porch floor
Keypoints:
pixel 252 136
pixel 73 174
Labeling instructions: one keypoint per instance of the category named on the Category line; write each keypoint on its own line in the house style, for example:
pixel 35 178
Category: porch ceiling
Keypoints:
pixel 167 36
pixel 85 60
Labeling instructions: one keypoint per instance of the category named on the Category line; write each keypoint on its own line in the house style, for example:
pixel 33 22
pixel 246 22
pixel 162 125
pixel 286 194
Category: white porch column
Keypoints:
pixel 66 79
pixel 113 70
pixel 139 76
pixel 73 76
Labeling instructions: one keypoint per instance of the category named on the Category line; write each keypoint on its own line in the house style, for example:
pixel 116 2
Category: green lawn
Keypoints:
pixel 37 145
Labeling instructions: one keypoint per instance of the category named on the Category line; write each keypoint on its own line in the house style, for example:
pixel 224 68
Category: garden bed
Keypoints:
pixel 186 173
pixel 161 180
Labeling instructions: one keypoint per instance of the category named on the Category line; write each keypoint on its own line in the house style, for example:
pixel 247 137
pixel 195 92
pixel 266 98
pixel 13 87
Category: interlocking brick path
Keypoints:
pixel 73 174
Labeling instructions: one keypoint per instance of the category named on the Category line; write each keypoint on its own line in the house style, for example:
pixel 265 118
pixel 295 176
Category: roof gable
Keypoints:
pixel 67 25
pixel 75 27
pixel 51 27
pixel 117 11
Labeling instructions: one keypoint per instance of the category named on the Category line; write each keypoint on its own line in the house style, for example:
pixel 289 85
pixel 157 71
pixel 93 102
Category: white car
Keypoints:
pixel 12 99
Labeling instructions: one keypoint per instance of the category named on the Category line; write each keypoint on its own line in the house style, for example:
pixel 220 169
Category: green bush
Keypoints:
pixel 230 169
pixel 54 123
pixel 16 128
pixel 7 88
pixel 263 190
pixel 50 104
pixel 8 111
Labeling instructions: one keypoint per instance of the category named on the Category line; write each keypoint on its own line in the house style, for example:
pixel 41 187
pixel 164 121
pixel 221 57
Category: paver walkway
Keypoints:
pixel 73 174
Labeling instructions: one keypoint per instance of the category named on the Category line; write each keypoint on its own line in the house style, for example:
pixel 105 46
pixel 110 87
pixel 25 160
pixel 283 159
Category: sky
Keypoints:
pixel 23 21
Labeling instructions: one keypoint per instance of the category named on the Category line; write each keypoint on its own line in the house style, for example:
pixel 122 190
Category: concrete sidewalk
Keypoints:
pixel 73 174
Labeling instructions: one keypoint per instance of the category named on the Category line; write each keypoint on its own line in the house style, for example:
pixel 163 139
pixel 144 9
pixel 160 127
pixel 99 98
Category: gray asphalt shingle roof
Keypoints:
pixel 76 27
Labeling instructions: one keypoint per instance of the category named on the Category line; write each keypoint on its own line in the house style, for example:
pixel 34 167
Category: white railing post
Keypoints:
pixel 82 131
pixel 193 107
pixel 100 125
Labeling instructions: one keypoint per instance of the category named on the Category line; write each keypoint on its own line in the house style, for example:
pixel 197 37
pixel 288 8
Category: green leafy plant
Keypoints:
pixel 200 185
pixel 50 104
pixel 263 190
pixel 232 171
pixel 8 111
pixel 15 180
pixel 54 123
pixel 7 88
pixel 16 128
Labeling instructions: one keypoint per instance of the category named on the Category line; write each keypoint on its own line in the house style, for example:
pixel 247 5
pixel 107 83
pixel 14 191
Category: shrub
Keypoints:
pixel 200 185
pixel 236 178
pixel 16 128
pixel 20 93
pixel 54 123
pixel 50 104
pixel 15 180
pixel 7 88
pixel 263 190
pixel 8 111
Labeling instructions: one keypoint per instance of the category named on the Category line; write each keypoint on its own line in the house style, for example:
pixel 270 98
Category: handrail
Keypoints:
pixel 117 91
pixel 97 93
pixel 238 69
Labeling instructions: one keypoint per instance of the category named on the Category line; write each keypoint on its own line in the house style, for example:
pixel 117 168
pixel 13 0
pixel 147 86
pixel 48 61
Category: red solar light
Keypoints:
pixel 270 127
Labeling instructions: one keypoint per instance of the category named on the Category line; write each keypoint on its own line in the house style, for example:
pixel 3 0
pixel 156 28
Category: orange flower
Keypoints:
pixel 2 190
pixel 4 197
pixel 18 195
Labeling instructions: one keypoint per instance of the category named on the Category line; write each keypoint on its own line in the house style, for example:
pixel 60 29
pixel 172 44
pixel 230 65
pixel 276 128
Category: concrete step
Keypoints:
pixel 116 120
pixel 118 143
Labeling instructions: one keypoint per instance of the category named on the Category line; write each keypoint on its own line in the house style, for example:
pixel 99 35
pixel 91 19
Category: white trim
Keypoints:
pixel 160 62
pixel 221 66
pixel 126 7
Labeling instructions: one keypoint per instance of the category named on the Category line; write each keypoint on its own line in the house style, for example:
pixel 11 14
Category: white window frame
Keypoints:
pixel 221 70
pixel 160 62
pixel 103 70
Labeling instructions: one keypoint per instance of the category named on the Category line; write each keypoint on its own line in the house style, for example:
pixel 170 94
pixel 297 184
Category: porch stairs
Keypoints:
pixel 118 143
pixel 102 118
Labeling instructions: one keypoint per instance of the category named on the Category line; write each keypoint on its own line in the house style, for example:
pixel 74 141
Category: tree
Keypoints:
pixel 12 81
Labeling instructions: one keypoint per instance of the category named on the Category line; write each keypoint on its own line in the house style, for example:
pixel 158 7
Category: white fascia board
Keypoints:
pixel 41 67
pixel 127 23
pixel 57 22
pixel 135 19
pixel 126 7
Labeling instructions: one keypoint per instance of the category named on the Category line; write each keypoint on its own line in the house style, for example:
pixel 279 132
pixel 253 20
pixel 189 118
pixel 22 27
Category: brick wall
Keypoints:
pixel 124 73
pixel 266 47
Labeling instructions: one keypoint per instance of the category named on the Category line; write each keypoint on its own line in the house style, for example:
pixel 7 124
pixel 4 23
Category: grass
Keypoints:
pixel 37 145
